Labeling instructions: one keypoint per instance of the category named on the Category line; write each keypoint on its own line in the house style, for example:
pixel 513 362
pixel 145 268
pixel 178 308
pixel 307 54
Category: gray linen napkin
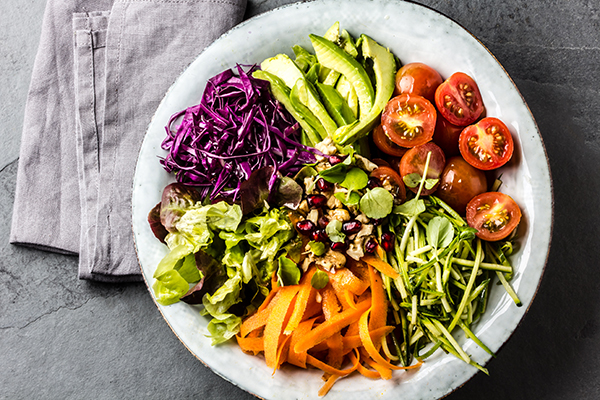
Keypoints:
pixel 101 70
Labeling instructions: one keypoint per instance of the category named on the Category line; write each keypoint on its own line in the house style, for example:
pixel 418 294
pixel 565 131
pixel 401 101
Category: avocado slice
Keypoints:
pixel 335 104
pixel 384 69
pixel 331 56
pixel 346 90
pixel 326 75
pixel 304 59
pixel 281 93
pixel 347 43
pixel 283 67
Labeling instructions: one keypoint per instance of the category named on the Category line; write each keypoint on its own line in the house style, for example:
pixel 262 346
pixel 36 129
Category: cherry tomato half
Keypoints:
pixel 487 144
pixel 414 162
pixel 383 142
pixel 417 78
pixel 409 120
pixel 459 183
pixel 458 99
pixel 494 215
pixel 392 181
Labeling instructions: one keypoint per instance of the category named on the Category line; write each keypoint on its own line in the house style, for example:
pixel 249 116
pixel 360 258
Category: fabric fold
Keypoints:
pixel 96 85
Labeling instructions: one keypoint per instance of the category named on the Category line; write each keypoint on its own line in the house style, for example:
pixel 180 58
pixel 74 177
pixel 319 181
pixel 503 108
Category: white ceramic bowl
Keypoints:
pixel 413 33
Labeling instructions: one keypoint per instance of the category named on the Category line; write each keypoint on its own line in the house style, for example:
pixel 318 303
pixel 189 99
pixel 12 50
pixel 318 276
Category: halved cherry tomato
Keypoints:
pixel 487 144
pixel 495 215
pixel 414 162
pixel 459 183
pixel 417 78
pixel 380 162
pixel 446 136
pixel 458 99
pixel 409 120
pixel 383 142
pixel 391 180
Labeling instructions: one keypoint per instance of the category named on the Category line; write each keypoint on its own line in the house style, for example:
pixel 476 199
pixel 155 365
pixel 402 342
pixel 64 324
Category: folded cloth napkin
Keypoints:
pixel 101 70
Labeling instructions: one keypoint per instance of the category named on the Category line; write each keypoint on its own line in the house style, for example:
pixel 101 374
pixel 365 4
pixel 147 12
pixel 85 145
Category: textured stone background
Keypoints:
pixel 64 338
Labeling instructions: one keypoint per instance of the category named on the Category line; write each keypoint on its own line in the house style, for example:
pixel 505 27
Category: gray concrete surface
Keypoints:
pixel 61 338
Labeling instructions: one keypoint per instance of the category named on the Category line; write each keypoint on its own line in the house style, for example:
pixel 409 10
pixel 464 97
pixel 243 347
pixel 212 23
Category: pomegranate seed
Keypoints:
pixel 323 221
pixel 338 246
pixel 320 235
pixel 316 200
pixel 323 185
pixel 371 245
pixel 335 159
pixel 305 227
pixel 387 241
pixel 350 227
pixel 377 222
pixel 373 182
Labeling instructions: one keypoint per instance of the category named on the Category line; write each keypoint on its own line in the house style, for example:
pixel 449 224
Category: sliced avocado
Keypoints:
pixel 283 67
pixel 304 59
pixel 333 33
pixel 335 105
pixel 281 93
pixel 326 75
pixel 347 43
pixel 330 78
pixel 384 69
pixel 331 56
pixel 312 75
pixel 346 90
pixel 298 97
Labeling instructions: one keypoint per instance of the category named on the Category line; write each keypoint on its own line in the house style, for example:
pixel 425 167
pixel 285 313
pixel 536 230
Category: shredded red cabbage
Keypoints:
pixel 237 128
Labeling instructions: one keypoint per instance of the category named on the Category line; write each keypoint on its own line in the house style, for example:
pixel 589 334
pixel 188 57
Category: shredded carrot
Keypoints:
pixel 301 302
pixel 328 328
pixel 275 323
pixel 344 279
pixel 315 362
pixel 353 341
pixel 331 307
pixel 250 344
pixel 259 319
pixel 345 322
pixel 346 299
pixel 384 372
pixel 362 370
pixel 328 385
pixel 381 266
pixel 299 359
pixel 370 347
pixel 379 308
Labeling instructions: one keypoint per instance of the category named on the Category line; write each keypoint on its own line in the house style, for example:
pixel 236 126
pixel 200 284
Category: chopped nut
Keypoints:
pixel 326 146
pixel 331 260
pixel 365 230
pixel 341 214
pixel 355 250
pixel 364 163
pixel 303 207
pixel 309 184
pixel 363 218
pixel 313 215
pixel 333 202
